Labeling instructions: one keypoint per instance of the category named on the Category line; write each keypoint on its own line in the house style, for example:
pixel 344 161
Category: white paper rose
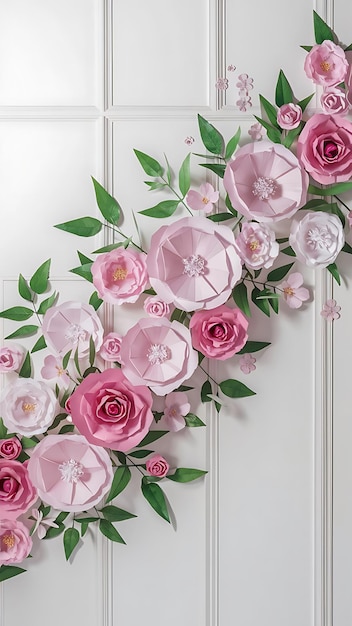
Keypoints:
pixel 317 238
pixel 28 407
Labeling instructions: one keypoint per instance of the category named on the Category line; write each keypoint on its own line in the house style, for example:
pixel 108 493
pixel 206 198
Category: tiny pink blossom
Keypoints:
pixel 176 408
pixel 330 310
pixel 293 293
pixel 189 140
pixel 204 199
pixel 247 363
pixel 256 132
pixel 243 103
pixel 53 369
pixel 245 83
pixel 155 307
pixel 231 68
pixel 222 84
pixel 40 523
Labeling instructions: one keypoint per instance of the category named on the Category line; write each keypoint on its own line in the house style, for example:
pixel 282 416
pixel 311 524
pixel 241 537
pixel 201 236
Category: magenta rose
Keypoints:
pixel 111 346
pixel 157 466
pixel 17 493
pixel 15 542
pixel 110 411
pixel 333 100
pixel 219 333
pixel 326 64
pixel 289 116
pixel 10 359
pixel 324 148
pixel 120 275
pixel 155 307
pixel 71 326
pixel 10 448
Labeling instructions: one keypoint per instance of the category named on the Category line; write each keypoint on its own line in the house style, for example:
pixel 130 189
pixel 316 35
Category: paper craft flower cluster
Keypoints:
pixel 72 432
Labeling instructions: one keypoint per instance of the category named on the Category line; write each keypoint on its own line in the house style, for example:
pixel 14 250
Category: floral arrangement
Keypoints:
pixel 72 433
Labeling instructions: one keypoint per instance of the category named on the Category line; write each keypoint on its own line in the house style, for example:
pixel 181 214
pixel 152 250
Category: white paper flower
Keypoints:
pixel 28 406
pixel 317 238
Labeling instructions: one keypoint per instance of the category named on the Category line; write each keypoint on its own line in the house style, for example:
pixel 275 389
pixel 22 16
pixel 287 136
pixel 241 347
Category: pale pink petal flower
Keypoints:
pixel 243 103
pixel 40 523
pixel 189 140
pixel 293 293
pixel 222 84
pixel 204 199
pixel 231 68
pixel 331 310
pixel 245 82
pixel 247 363
pixel 176 408
pixel 53 369
pixel 256 132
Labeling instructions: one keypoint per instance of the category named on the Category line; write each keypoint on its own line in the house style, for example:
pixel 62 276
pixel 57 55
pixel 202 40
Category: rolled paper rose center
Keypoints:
pixel 75 333
pixel 158 353
pixel 8 541
pixel 7 485
pixel 119 273
pixel 325 66
pixel 71 471
pixel 319 238
pixel 194 265
pixel 217 331
pixel 264 188
pixel 330 150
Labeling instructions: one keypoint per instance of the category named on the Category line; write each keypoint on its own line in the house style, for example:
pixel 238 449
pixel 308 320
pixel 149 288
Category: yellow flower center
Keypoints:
pixel 120 273
pixel 325 66
pixel 205 200
pixel 289 291
pixel 8 540
pixel 60 370
pixel 254 245
pixel 28 407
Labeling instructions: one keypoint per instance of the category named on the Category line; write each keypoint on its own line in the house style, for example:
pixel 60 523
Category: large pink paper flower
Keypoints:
pixel 219 333
pixel 11 358
pixel 28 406
pixel 256 245
pixel 265 182
pixel 69 473
pixel 326 64
pixel 15 542
pixel 120 275
pixel 193 263
pixel 17 492
pixel 109 411
pixel 158 353
pixel 317 238
pixel 324 148
pixel 70 325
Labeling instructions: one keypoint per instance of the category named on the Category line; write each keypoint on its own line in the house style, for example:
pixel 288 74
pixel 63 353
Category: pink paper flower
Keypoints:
pixel 324 148
pixel 219 333
pixel 203 200
pixel 120 275
pixel 28 406
pixel 247 363
pixel 11 358
pixel 53 369
pixel 333 100
pixel 155 307
pixel 316 237
pixel 69 473
pixel 158 353
pixel 17 493
pixel 175 410
pixel 256 132
pixel 189 140
pixel 41 524
pixel 111 347
pixel 69 326
pixel 326 64
pixel 293 292
pixel 222 84
pixel 245 83
pixel 289 116
pixel 265 182
pixel 10 448
pixel 231 68
pixel 331 310
pixel 193 263
pixel 157 466
pixel 243 103
pixel 256 245
pixel 15 542
pixel 109 411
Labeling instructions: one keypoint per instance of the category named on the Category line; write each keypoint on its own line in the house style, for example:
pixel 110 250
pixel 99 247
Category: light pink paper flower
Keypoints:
pixel 324 148
pixel 111 347
pixel 17 493
pixel 293 292
pixel 155 307
pixel 243 103
pixel 219 333
pixel 10 448
pixel 331 310
pixel 28 406
pixel 189 140
pixel 11 358
pixel 53 369
pixel 266 182
pixel 158 353
pixel 245 83
pixel 42 525
pixel 69 473
pixel 289 116
pixel 120 275
pixel 316 237
pixel 256 245
pixel 247 363
pixel 326 64
pixel 175 410
pixel 231 68
pixel 15 542
pixel 69 326
pixel 109 411
pixel 157 466
pixel 222 84
pixel 333 100
pixel 204 199
pixel 193 263
pixel 256 132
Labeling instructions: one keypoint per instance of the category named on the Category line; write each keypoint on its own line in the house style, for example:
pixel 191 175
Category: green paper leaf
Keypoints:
pixel 152 436
pixel 109 531
pixel 205 391
pixel 67 428
pixel 217 168
pixel 333 269
pixel 3 429
pixel 331 190
pixel 193 421
pixel 306 48
pixel 254 346
pixel 283 92
pixel 235 389
pixel 40 278
pixel 279 273
pixel 29 442
pixel 347 248
pixel 166 208
pixel 84 271
pixel 291 136
pixel 47 303
pixel 17 313
pixel 120 481
pixel 111 246
pixel 9 571
pixel 239 294
pixel 24 331
pixel 153 185
pixel 263 305
pixel 304 103
pixel 91 351
pixel 232 144
pixel 108 206
pixel 273 133
pixel 184 177
pixel 289 251
pixel 95 301
pixel 229 206
pixel 23 289
pixel 150 165
pixel 321 30
pixel 26 368
pixel 212 139
pixel 83 226
pixel 140 454
pixel 220 217
pixel 155 496
pixel 71 539
pixel 270 110
pixel 186 475
pixel 114 514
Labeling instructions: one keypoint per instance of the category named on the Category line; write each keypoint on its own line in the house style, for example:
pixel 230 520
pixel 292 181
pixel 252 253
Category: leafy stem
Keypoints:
pixel 116 230
pixel 176 194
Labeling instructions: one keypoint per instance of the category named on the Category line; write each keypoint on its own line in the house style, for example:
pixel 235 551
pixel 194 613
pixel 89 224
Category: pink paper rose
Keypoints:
pixel 333 100
pixel 69 473
pixel 193 263
pixel 120 275
pixel 256 245
pixel 109 411
pixel 69 326
pixel 10 448
pixel 219 333
pixel 266 182
pixel 289 116
pixel 326 64
pixel 110 349
pixel 155 307
pixel 176 408
pixel 17 493
pixel 157 466
pixel 158 353
pixel 15 542
pixel 317 238
pixel 28 406
pixel 324 148
pixel 204 199
pixel 11 359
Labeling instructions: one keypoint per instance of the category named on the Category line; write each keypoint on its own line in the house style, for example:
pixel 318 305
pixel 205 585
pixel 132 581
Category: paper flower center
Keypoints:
pixel 194 265
pixel 254 245
pixel 28 407
pixel 8 540
pixel 205 200
pixel 289 291
pixel 60 370
pixel 319 238
pixel 263 187
pixel 119 273
pixel 325 66
pixel 71 471
pixel 75 333
pixel 158 353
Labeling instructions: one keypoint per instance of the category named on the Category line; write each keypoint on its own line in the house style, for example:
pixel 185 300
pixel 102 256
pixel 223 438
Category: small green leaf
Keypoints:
pixel 232 144
pixel 229 206
pixel 83 258
pixel 332 190
pixel 154 185
pixel 240 296
pixel 279 273
pixel 347 248
pixel 23 289
pixel 152 436
pixel 71 539
pixel 83 226
pixel 291 136
pixel 9 571
pixel 40 278
pixel 289 251
pixel 3 429
pixel 95 301
pixel 270 110
pixel 321 30
pixel 111 246
pixel 155 496
pixel 220 217
pixel 140 454
pixel 66 359
pixel 87 520
pixel 263 305
pixel 235 389
pixel 108 206
pixel 28 442
pixel 17 313
pixel 109 531
pixel 283 92
pixel 273 133
pixel 217 168
pixel 26 369
pixel 304 103
pixel 205 391
pixel 212 139
pixel 193 421
pixel 24 331
pixel 166 208
pixel 114 514
pixel 186 474
pixel 91 351
pixel 47 303
pixel 333 269
pixel 67 428
pixel 254 346
pixel 150 165
pixel 84 271
pixel 120 481
pixel 184 177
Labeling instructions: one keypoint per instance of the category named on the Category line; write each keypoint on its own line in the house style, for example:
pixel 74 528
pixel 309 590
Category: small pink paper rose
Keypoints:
pixel 11 359
pixel 70 326
pixel 247 363
pixel 17 492
pixel 289 116
pixel 53 369
pixel 326 64
pixel 331 310
pixel 333 100
pixel 219 333
pixel 157 466
pixel 293 292
pixel 256 245
pixel 204 199
pixel 28 406
pixel 155 307
pixel 317 238
pixel 120 275
pixel 111 346
pixel 176 408
pixel 10 448
pixel 15 542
